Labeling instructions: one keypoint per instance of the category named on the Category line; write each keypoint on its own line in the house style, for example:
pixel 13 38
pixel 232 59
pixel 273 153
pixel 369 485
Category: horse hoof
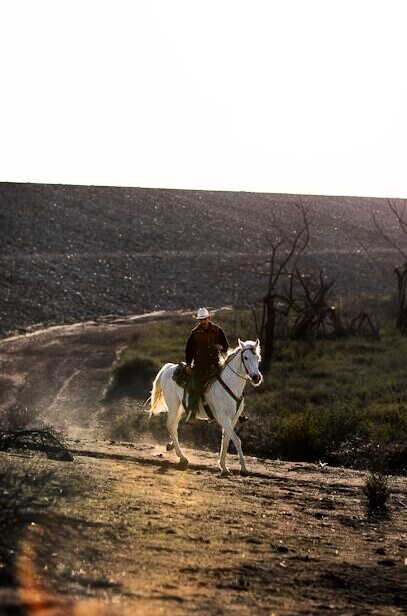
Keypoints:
pixel 225 472
pixel 244 473
pixel 183 463
pixel 170 446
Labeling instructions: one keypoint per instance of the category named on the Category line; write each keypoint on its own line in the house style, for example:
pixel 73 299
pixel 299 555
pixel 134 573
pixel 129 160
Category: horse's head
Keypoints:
pixel 250 357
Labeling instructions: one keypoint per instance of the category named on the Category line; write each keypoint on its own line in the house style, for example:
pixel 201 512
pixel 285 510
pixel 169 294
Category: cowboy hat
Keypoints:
pixel 202 313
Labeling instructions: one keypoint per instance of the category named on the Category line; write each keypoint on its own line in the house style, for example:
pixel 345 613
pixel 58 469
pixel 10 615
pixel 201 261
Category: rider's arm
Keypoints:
pixel 190 349
pixel 223 341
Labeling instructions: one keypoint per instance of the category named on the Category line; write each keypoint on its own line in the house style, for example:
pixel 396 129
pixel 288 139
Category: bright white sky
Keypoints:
pixel 292 96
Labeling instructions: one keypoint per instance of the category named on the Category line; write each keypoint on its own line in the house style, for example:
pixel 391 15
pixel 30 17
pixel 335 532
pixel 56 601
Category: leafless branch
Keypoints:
pixel 386 237
pixel 400 216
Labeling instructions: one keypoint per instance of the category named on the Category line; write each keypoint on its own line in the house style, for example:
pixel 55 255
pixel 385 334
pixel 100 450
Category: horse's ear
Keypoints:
pixel 241 343
pixel 257 344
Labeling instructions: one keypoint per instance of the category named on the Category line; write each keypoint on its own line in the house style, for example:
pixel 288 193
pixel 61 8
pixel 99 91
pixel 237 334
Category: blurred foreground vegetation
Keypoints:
pixel 337 400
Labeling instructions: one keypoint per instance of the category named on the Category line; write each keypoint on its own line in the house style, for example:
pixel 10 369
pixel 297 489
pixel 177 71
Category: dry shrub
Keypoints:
pixel 377 492
pixel 376 488
pixel 22 491
pixel 30 488
pixel 17 417
pixel 22 501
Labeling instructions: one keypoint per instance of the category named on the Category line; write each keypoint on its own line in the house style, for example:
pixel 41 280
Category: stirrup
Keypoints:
pixel 243 418
pixel 190 416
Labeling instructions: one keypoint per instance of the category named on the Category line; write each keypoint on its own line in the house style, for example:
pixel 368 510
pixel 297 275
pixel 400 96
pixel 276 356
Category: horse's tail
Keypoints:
pixel 158 404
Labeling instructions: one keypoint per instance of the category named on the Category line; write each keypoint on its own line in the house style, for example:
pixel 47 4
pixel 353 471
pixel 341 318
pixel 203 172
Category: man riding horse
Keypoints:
pixel 202 354
pixel 224 400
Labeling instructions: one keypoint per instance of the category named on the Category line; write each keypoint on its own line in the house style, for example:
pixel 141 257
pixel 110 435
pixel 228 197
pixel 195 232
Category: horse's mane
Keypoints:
pixel 231 354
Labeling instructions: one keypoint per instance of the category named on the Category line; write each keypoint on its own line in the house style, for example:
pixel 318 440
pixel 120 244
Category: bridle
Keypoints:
pixel 245 378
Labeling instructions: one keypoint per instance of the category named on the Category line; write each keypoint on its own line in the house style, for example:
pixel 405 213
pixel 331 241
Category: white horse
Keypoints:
pixel 224 396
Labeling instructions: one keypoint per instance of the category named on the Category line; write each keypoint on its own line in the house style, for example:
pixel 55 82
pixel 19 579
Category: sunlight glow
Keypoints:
pixel 266 95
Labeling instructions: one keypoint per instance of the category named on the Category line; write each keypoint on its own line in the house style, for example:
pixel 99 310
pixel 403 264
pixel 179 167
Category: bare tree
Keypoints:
pixel 364 325
pixel 285 250
pixel 312 307
pixel 307 297
pixel 399 212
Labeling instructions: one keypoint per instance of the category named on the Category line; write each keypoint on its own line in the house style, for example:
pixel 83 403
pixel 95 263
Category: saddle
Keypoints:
pixel 180 375
pixel 183 379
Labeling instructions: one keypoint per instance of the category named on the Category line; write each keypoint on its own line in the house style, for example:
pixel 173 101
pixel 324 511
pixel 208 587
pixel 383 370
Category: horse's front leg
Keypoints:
pixel 223 452
pixel 231 435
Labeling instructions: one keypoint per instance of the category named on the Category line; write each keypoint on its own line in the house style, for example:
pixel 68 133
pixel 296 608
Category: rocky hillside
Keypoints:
pixel 69 253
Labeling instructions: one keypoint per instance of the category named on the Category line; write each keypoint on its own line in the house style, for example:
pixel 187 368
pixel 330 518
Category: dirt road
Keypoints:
pixel 142 536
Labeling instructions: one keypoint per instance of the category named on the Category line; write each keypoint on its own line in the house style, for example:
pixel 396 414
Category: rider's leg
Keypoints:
pixel 194 394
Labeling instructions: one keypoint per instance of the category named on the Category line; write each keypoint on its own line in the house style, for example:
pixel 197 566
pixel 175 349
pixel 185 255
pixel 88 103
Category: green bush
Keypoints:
pixel 131 377
pixel 388 422
pixel 316 433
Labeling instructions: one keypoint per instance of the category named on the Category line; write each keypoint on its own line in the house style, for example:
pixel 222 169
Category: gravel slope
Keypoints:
pixel 69 253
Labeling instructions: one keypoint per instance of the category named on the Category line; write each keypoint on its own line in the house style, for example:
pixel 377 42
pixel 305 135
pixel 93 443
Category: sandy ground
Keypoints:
pixel 142 536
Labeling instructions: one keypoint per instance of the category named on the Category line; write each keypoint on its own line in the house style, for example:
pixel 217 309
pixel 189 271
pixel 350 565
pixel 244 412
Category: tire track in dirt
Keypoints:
pixel 62 370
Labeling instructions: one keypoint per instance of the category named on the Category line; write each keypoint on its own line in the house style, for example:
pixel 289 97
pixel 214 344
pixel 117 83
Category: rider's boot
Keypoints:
pixel 192 407
pixel 190 416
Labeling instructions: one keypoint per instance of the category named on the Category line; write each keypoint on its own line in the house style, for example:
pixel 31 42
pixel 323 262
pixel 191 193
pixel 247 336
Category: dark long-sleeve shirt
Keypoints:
pixel 200 347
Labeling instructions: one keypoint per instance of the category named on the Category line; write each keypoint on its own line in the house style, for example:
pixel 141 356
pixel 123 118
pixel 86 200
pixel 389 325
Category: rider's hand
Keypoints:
pixel 219 347
pixel 189 370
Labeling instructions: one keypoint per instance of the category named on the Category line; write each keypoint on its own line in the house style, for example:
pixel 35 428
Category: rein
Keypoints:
pixel 237 399
pixel 230 392
pixel 245 378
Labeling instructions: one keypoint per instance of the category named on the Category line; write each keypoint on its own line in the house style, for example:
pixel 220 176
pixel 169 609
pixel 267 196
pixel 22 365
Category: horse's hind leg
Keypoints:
pixel 172 427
